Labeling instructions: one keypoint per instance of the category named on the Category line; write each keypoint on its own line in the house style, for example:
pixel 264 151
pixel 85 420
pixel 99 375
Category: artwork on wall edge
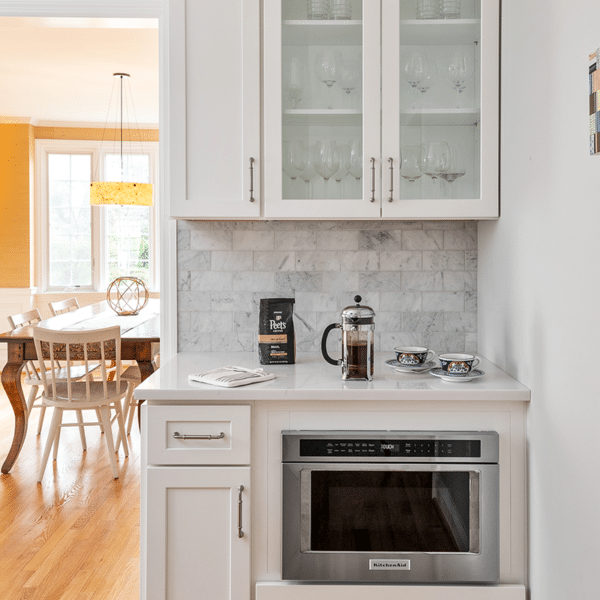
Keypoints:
pixel 594 93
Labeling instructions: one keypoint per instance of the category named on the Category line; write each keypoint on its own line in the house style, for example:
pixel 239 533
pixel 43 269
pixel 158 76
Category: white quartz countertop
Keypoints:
pixel 311 378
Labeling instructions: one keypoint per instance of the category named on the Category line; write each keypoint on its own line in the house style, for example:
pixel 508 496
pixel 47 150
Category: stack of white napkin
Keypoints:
pixel 231 376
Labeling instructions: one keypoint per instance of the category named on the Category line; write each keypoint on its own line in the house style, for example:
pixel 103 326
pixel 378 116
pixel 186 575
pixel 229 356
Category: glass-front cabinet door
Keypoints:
pixel 322 142
pixel 440 107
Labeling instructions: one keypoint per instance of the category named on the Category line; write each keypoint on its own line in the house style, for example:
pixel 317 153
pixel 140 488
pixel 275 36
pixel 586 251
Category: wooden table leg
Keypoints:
pixel 11 381
pixel 146 369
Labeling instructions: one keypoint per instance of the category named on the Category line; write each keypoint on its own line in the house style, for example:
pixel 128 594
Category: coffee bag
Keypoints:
pixel 276 339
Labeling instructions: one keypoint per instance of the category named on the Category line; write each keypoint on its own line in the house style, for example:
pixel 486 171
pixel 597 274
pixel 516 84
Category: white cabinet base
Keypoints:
pixel 290 591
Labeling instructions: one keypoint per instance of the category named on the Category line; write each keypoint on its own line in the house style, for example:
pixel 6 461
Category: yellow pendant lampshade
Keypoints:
pixel 115 192
pixel 120 192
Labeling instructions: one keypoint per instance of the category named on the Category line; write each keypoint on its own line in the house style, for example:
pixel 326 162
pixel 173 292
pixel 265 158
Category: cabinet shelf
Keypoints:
pixel 440 116
pixel 320 117
pixel 322 33
pixel 440 32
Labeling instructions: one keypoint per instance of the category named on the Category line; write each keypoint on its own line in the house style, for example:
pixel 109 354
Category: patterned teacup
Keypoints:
pixel 458 364
pixel 413 356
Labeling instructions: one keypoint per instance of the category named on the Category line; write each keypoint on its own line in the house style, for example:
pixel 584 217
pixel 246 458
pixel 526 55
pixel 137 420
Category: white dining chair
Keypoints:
pixel 32 375
pixel 100 394
pixel 62 306
pixel 134 377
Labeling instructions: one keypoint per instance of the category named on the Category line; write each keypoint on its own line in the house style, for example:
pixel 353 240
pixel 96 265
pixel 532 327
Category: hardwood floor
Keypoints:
pixel 75 536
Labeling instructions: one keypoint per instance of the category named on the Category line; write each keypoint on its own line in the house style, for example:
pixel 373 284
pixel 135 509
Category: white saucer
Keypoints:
pixel 407 369
pixel 473 374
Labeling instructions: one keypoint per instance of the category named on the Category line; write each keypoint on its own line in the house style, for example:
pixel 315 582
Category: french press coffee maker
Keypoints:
pixel 358 333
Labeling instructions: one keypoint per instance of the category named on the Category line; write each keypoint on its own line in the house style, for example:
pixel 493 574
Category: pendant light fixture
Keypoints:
pixel 120 192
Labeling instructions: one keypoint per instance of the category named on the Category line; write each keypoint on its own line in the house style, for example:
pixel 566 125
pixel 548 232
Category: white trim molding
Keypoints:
pixel 81 8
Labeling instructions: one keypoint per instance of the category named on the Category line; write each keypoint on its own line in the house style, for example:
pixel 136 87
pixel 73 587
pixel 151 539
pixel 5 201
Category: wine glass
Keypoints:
pixel 349 78
pixel 456 168
pixel 414 67
pixel 429 79
pixel 293 80
pixel 409 163
pixel 460 70
pixel 309 173
pixel 434 159
pixel 328 66
pixel 326 159
pixel 293 159
pixel 356 160
pixel 344 159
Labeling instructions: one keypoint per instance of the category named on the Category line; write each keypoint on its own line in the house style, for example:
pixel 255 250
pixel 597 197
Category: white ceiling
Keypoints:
pixel 61 70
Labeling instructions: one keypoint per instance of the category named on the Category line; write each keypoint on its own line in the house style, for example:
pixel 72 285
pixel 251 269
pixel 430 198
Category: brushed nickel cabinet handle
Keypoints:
pixel 391 161
pixel 240 532
pixel 372 179
pixel 208 436
pixel 251 179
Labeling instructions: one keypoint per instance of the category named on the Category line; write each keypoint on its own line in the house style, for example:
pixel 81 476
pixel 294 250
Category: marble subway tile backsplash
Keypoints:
pixel 420 277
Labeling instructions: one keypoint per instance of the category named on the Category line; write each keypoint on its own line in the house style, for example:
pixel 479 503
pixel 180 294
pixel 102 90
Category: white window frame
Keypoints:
pixel 97 151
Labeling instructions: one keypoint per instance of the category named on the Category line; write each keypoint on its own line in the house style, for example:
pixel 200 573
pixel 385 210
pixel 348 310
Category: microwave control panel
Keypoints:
pixel 357 448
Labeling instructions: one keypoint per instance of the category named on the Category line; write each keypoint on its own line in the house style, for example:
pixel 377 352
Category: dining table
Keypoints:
pixel 140 335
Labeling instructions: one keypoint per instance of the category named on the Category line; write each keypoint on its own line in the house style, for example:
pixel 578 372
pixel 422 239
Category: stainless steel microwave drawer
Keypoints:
pixel 198 435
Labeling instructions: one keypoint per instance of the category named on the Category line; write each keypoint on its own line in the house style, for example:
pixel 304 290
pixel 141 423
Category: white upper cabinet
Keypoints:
pixel 214 109
pixel 370 109
pixel 322 110
pixel 440 107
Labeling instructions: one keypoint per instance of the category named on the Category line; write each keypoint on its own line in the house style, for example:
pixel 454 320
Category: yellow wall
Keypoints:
pixel 17 153
pixel 16 185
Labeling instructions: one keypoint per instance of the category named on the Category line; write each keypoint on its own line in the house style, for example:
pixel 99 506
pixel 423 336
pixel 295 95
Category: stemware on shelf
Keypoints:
pixel 356 160
pixel 435 159
pixel 428 9
pixel 414 67
pixel 318 9
pixel 340 9
pixel 456 168
pixel 429 79
pixel 293 80
pixel 328 66
pixel 460 70
pixel 349 78
pixel 410 157
pixel 450 9
pixel 344 161
pixel 326 159
pixel 293 159
pixel 309 173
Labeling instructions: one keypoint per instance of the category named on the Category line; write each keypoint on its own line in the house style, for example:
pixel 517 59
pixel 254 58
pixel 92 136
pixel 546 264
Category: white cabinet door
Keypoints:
pixel 193 544
pixel 214 108
pixel 440 108
pixel 322 112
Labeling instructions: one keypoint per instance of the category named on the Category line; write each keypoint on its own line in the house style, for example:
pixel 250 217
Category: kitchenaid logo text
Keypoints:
pixel 277 325
pixel 388 565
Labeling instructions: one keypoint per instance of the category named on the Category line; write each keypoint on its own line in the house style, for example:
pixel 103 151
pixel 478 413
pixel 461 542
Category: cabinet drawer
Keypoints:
pixel 198 435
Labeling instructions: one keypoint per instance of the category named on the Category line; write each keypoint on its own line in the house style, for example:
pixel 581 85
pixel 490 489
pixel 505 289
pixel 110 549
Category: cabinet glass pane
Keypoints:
pixel 322 124
pixel 440 100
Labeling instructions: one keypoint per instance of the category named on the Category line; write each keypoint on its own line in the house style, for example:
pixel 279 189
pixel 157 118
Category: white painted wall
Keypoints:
pixel 539 282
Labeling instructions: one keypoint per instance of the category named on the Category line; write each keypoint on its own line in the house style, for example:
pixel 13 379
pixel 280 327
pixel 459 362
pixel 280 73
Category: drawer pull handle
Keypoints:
pixel 208 436
pixel 240 532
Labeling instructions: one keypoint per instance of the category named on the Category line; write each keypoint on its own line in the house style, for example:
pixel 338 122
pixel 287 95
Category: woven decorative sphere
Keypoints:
pixel 127 295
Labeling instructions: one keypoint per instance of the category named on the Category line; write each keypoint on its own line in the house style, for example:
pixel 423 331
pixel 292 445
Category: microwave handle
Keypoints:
pixel 474 529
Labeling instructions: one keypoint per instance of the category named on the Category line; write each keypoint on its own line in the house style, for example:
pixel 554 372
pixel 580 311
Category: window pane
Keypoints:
pixel 128 227
pixel 69 220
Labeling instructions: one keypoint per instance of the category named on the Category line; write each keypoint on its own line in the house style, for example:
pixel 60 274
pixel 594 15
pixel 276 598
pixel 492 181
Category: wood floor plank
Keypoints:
pixel 75 535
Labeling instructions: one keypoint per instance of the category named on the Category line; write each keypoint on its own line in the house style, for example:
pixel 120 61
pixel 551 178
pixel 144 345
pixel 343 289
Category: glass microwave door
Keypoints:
pixel 392 511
